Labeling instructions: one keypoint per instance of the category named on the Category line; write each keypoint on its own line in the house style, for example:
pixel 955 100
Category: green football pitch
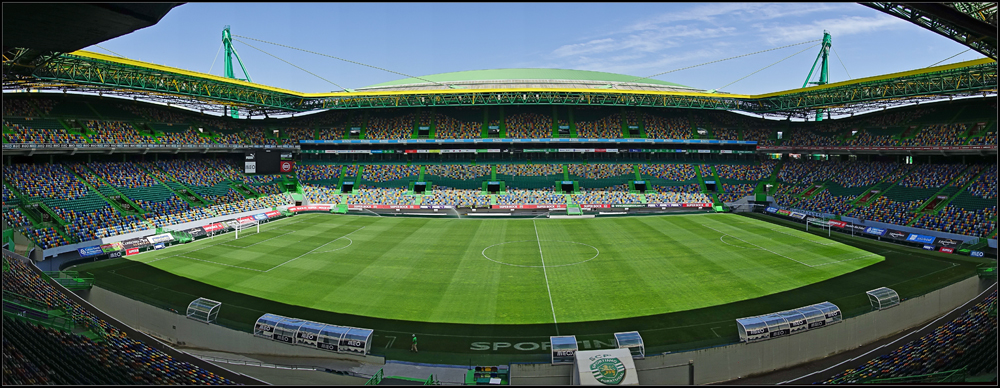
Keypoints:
pixel 679 279
pixel 516 271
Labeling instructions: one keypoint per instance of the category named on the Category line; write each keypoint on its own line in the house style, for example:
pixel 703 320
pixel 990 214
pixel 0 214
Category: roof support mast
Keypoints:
pixel 227 42
pixel 824 54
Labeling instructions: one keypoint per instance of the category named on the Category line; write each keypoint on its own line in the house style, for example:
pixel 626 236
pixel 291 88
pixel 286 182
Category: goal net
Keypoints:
pixel 247 228
pixel 818 223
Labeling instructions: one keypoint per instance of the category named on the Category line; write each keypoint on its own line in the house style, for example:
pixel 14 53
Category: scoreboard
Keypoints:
pixel 260 161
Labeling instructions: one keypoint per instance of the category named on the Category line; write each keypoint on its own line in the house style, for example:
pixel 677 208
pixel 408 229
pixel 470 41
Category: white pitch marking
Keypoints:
pixel 228 265
pixel 758 246
pixel 262 241
pixel 314 249
pixel 546 274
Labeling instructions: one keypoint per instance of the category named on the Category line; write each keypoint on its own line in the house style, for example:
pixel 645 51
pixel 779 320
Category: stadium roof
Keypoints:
pixel 528 78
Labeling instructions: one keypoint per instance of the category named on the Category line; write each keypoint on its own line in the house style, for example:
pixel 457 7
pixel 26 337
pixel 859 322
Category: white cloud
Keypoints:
pixel 641 66
pixel 644 41
pixel 734 13
pixel 849 25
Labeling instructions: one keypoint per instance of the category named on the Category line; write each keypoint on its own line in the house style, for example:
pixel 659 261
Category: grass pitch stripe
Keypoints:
pixel 217 263
pixel 314 249
pixel 758 246
pixel 259 242
pixel 546 274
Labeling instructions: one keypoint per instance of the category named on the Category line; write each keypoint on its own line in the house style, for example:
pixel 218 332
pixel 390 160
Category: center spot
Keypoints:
pixel 525 253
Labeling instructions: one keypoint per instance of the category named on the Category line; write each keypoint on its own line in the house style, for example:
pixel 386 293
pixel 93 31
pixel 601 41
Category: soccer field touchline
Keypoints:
pixel 546 274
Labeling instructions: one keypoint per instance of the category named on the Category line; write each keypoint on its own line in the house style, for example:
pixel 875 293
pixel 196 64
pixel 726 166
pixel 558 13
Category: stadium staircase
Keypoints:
pixel 716 202
pixel 17 306
pixel 70 279
pixel 950 192
pixel 175 187
pixel 761 190
pixel 108 193
pixel 973 133
pixel 883 187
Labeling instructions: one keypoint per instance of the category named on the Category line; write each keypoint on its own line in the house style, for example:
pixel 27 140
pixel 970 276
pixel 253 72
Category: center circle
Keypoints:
pixel 531 253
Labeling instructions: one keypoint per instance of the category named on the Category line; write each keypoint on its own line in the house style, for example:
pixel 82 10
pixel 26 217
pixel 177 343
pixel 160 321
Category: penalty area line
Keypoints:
pixel 214 262
pixel 758 246
pixel 315 249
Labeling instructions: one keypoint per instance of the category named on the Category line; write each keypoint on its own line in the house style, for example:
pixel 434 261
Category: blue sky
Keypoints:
pixel 639 39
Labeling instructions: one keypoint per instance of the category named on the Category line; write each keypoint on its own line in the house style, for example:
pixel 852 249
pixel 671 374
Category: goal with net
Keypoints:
pixel 818 223
pixel 247 228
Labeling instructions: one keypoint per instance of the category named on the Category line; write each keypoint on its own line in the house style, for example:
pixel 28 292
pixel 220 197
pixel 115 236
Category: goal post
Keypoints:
pixel 243 227
pixel 819 223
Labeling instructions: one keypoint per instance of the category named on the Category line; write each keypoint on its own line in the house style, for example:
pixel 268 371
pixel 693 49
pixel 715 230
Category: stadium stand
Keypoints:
pixel 15 219
pixel 543 196
pixel 928 176
pixel 746 172
pixel 986 185
pixel 46 355
pixel 447 127
pixel 825 202
pixel 457 171
pixel 33 107
pixel 38 131
pixel 599 171
pixel 388 172
pixel 807 171
pixel 44 181
pixel 608 127
pixel 677 194
pixel 259 137
pixel 761 135
pixel 953 219
pixel 385 126
pixel 938 135
pixel 320 194
pixel 115 132
pixel 669 172
pixel 886 210
pixel 529 126
pixel 734 192
pixel 318 172
pixel 659 127
pixel 442 195
pixel 370 195
pixel 864 174
pixel 611 195
pixel 292 135
pixel 968 341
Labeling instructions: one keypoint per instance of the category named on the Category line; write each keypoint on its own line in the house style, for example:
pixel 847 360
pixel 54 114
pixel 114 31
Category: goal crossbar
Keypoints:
pixel 248 225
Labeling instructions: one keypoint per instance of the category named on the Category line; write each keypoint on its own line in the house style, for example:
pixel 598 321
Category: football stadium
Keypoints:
pixel 527 226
